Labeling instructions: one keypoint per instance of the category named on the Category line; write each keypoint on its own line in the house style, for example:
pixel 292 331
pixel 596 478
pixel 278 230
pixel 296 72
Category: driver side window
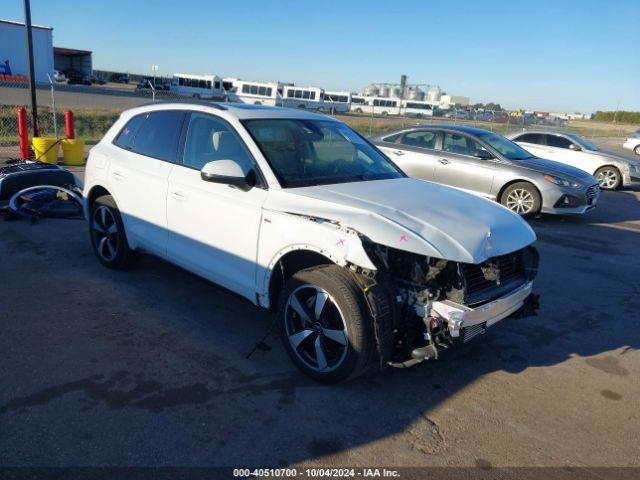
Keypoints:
pixel 210 139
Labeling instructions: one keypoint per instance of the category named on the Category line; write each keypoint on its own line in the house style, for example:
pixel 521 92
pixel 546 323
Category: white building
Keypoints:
pixel 13 49
pixel 450 100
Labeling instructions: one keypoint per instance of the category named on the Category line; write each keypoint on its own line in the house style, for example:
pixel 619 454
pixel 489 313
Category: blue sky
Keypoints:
pixel 562 55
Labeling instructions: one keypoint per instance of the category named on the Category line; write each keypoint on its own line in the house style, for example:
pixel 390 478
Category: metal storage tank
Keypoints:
pixel 434 94
pixel 371 90
pixel 396 92
pixel 416 94
pixel 384 91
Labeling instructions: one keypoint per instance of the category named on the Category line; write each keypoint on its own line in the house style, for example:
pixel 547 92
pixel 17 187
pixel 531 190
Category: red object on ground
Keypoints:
pixel 69 124
pixel 23 134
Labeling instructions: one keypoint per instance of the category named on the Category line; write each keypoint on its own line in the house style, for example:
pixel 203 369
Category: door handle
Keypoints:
pixel 117 175
pixel 398 152
pixel 181 197
pixel 444 161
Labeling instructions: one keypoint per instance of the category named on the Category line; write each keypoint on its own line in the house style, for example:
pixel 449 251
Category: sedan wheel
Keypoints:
pixel 520 201
pixel 637 150
pixel 608 178
pixel 316 329
pixel 522 198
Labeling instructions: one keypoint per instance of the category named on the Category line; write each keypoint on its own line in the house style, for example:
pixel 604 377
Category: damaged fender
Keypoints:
pixel 340 244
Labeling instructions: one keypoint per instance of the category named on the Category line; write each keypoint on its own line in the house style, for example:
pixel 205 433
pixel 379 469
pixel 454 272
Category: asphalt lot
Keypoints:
pixel 150 367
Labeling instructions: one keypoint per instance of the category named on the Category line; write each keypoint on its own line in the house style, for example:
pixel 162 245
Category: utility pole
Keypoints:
pixel 32 79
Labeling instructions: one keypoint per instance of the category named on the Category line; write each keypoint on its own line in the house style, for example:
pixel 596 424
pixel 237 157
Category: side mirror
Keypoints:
pixel 483 155
pixel 574 147
pixel 228 172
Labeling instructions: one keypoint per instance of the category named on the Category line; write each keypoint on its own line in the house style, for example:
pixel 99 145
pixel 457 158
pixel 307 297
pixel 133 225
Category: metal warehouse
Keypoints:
pixel 13 50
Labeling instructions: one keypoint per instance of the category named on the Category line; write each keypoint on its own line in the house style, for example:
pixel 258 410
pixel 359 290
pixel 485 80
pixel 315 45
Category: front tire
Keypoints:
pixel 108 237
pixel 522 198
pixel 637 150
pixel 325 324
pixel 609 178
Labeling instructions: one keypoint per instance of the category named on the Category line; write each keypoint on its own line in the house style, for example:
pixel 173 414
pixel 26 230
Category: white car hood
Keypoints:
pixel 412 215
pixel 616 156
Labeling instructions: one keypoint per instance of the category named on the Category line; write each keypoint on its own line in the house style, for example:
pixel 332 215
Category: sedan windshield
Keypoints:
pixel 302 153
pixel 505 147
pixel 587 145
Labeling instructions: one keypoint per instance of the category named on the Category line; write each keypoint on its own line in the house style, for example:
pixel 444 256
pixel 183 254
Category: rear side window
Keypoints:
pixel 391 138
pixel 158 136
pixel 128 133
pixel 558 142
pixel 421 139
pixel 530 138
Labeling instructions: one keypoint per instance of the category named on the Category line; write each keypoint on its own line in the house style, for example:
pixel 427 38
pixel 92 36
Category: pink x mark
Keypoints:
pixel 341 242
pixel 403 238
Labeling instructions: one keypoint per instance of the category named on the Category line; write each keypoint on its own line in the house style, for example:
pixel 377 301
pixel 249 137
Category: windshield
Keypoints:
pixel 302 153
pixel 586 144
pixel 505 147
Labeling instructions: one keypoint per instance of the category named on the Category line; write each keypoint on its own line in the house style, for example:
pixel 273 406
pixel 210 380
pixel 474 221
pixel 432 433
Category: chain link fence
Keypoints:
pixel 96 107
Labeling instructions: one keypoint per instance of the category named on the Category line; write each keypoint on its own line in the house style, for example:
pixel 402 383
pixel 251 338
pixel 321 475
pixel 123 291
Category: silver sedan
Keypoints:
pixel 487 164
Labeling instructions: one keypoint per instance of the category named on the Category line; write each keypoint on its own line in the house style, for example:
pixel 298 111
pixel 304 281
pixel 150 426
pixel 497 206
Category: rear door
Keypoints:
pixel 414 152
pixel 458 167
pixel 138 177
pixel 533 143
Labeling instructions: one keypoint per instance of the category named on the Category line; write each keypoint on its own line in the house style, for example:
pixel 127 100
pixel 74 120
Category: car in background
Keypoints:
pixel 632 142
pixel 59 76
pixel 75 77
pixel 158 84
pixel 97 80
pixel 457 114
pixel 119 78
pixel 611 169
pixel 487 164
pixel 297 212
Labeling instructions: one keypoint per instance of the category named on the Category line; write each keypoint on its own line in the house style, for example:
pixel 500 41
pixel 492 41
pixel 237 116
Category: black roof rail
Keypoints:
pixel 187 101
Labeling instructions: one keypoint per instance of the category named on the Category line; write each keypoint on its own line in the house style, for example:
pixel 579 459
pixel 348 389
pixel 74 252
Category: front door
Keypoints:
pixel 458 166
pixel 213 228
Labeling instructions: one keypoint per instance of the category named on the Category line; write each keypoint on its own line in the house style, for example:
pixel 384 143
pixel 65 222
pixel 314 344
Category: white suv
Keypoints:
pixel 297 212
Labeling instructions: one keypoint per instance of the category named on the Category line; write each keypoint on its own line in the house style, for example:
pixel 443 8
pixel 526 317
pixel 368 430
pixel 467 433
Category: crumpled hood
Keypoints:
pixel 556 168
pixel 412 215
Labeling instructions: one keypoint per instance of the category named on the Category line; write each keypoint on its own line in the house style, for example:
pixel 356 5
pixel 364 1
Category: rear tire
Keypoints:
pixel 522 198
pixel 108 236
pixel 325 324
pixel 637 150
pixel 608 177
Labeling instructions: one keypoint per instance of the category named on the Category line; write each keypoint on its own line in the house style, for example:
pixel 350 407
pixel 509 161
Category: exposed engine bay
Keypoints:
pixel 424 305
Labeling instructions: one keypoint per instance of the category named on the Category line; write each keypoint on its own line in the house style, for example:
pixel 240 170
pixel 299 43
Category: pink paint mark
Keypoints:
pixel 340 242
pixel 126 131
pixel 403 238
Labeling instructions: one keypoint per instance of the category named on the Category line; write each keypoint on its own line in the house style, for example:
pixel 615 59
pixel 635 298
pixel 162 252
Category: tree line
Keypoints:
pixel 618 117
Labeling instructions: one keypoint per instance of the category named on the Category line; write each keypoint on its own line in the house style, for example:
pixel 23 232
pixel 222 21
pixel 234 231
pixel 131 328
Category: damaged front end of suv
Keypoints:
pixel 422 305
